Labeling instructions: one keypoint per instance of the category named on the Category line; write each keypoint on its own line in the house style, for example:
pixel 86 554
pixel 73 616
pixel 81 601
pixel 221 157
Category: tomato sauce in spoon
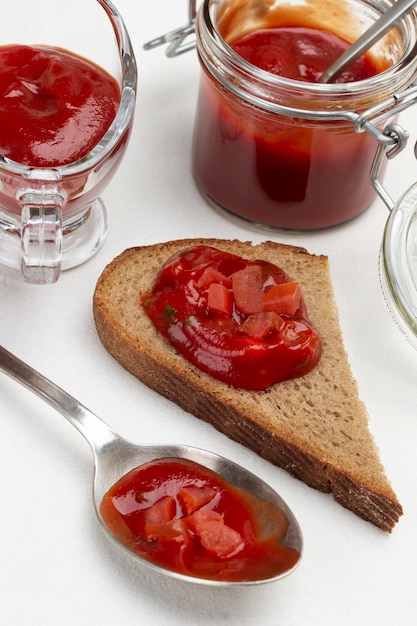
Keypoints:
pixel 183 516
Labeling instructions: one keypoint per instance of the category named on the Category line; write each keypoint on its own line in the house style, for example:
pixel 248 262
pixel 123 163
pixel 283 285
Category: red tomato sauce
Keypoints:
pixel 267 168
pixel 243 322
pixel 186 518
pixel 54 106
pixel 299 53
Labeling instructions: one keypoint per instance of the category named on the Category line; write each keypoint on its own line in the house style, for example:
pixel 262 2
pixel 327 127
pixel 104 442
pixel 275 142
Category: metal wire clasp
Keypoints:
pixel 399 137
pixel 392 139
pixel 176 38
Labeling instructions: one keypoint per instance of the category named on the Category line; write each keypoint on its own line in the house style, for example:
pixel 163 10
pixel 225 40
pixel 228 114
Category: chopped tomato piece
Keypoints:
pixel 161 512
pixel 211 275
pixel 214 535
pixel 220 299
pixel 284 298
pixel 247 289
pixel 259 325
pixel 175 531
pixel 193 498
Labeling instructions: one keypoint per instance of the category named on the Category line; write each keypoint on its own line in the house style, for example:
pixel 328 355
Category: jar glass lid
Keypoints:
pixel 398 264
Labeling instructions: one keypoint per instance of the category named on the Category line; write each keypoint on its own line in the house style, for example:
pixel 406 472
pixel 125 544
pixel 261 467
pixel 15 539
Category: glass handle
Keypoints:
pixel 41 242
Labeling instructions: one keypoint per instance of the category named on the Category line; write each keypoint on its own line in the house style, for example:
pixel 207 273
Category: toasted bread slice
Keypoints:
pixel 315 427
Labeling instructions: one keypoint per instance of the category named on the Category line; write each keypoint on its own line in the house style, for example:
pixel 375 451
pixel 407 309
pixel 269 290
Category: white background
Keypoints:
pixel 56 565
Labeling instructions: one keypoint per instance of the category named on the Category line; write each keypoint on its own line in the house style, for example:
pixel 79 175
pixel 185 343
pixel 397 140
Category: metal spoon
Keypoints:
pixel 114 456
pixel 378 29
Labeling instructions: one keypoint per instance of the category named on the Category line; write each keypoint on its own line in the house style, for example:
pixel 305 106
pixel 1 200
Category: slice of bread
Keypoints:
pixel 315 427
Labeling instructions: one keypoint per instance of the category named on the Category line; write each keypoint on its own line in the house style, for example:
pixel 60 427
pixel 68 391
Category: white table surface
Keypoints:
pixel 56 565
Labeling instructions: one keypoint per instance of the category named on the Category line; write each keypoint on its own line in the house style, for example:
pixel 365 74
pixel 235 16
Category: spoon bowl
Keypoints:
pixel 115 456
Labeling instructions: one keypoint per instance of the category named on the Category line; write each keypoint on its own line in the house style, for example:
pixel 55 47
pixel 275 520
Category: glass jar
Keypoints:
pixel 285 153
pixel 398 264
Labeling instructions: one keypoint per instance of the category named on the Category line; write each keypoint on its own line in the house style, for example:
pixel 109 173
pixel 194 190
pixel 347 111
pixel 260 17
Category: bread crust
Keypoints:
pixel 315 427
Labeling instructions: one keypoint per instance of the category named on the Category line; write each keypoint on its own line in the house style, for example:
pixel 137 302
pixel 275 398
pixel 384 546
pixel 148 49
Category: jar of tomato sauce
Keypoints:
pixel 271 144
pixel 281 152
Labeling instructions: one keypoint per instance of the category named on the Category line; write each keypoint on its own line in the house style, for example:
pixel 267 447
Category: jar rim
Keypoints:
pixel 407 61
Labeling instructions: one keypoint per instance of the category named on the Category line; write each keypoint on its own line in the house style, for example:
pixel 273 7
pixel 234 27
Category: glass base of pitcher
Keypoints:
pixel 82 239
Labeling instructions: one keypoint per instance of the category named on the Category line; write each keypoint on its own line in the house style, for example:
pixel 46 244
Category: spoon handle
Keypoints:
pixel 367 40
pixel 94 430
